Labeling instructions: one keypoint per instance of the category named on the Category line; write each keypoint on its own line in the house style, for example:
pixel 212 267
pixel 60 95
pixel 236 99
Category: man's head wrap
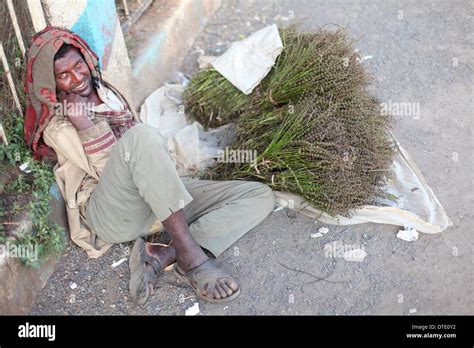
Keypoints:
pixel 40 82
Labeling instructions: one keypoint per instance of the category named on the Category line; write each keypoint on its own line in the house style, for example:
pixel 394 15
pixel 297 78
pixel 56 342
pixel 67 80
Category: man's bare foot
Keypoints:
pixel 166 255
pixel 210 282
pixel 225 286
pixel 192 260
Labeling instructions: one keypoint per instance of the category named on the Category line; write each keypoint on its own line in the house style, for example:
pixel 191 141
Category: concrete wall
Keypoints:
pixel 162 37
pixel 97 23
pixel 20 284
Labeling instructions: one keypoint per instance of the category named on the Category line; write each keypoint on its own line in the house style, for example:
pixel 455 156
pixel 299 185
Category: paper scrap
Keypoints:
pixel 412 310
pixel 194 310
pixel 119 262
pixel 324 230
pixel 72 285
pixel 408 235
pixel 316 235
pixel 24 168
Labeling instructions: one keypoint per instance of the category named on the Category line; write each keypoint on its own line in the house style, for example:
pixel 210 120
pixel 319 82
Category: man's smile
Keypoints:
pixel 81 87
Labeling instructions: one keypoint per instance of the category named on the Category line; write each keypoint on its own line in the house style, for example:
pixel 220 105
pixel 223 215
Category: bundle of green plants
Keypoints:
pixel 212 100
pixel 335 154
pixel 316 130
pixel 323 62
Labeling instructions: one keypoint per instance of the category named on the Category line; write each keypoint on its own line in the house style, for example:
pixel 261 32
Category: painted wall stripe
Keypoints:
pixel 97 26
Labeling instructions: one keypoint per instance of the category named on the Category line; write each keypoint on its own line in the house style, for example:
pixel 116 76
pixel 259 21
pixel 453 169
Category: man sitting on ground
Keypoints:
pixel 118 178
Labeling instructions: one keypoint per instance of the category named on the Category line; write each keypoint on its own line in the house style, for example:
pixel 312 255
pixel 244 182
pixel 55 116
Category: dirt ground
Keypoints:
pixel 422 52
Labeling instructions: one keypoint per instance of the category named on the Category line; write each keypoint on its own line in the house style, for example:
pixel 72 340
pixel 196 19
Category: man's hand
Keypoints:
pixel 76 110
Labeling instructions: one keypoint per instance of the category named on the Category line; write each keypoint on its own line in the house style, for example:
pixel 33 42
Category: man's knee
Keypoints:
pixel 264 196
pixel 143 135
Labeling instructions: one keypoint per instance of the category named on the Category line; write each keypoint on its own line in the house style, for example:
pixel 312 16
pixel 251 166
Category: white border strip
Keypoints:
pixel 11 9
pixel 9 77
pixel 3 136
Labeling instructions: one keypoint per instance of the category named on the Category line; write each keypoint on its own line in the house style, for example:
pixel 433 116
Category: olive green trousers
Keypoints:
pixel 140 185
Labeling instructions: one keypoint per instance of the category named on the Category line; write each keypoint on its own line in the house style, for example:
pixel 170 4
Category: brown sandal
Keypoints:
pixel 142 279
pixel 204 275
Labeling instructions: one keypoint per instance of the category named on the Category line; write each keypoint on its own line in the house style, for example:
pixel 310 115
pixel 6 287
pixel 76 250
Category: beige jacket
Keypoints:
pixel 82 156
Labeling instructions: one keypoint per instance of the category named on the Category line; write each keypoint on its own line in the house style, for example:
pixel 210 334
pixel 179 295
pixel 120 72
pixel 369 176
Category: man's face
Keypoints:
pixel 72 74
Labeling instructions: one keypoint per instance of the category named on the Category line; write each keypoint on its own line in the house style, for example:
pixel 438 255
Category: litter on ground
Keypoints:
pixel 408 235
pixel 193 310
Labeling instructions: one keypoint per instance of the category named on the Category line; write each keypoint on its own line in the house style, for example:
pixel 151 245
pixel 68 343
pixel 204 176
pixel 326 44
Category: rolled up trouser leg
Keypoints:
pixel 223 211
pixel 138 186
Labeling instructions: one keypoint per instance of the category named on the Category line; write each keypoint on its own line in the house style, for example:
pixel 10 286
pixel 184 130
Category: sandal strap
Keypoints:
pixel 207 273
pixel 157 268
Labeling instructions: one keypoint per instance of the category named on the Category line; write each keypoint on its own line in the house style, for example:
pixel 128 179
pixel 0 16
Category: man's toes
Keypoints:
pixel 226 287
pixel 221 290
pixel 231 284
pixel 216 293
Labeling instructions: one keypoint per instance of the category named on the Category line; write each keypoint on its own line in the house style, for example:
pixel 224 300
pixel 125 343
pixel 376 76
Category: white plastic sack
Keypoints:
pixel 248 61
pixel 191 147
